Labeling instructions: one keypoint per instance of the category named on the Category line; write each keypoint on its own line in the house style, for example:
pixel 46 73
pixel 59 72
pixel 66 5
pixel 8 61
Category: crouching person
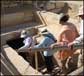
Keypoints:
pixel 28 41
pixel 47 40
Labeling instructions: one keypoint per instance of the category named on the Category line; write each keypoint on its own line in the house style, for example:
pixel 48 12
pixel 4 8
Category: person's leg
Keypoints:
pixel 58 59
pixel 49 63
pixel 80 60
pixel 64 69
pixel 71 63
pixel 61 65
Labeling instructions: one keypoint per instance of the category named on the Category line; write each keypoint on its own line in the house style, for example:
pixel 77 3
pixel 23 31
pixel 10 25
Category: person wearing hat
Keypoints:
pixel 67 34
pixel 79 39
pixel 47 40
pixel 28 41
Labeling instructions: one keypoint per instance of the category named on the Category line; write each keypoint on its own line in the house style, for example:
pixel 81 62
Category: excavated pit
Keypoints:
pixel 17 43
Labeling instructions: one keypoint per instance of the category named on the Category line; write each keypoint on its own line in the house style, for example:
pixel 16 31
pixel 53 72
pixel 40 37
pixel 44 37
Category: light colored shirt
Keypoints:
pixel 68 34
pixel 80 38
pixel 28 42
pixel 46 42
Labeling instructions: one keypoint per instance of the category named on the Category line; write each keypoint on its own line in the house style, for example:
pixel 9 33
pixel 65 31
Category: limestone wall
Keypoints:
pixel 15 61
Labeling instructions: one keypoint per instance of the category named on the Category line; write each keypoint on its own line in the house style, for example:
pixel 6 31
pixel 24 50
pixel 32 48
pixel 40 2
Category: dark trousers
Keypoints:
pixel 49 63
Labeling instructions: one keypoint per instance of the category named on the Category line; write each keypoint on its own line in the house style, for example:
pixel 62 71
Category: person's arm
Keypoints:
pixel 63 38
pixel 42 43
pixel 28 42
pixel 24 47
pixel 78 40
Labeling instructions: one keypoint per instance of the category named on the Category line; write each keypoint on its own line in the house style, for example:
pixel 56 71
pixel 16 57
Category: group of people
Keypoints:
pixel 68 36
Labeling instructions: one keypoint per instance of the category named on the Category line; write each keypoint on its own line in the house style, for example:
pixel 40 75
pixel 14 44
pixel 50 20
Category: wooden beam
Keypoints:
pixel 56 48
pixel 36 62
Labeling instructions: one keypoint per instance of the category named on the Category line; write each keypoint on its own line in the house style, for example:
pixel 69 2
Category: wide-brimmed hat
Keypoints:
pixel 44 31
pixel 81 11
pixel 24 33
